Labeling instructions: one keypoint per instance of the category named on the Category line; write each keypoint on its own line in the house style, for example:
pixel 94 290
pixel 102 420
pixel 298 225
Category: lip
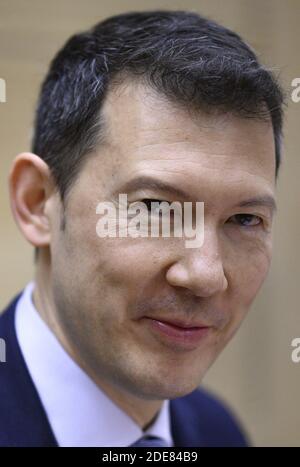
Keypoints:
pixel 178 333
pixel 181 323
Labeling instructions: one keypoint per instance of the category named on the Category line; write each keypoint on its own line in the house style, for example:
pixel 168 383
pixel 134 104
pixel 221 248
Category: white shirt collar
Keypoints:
pixel 79 413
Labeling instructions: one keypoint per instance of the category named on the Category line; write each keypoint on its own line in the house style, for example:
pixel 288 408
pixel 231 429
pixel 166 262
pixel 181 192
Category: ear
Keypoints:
pixel 31 190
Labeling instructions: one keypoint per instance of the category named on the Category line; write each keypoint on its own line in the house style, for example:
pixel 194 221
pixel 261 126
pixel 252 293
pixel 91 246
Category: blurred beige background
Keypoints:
pixel 255 374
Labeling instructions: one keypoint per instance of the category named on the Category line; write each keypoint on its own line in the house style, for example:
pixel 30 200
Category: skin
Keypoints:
pixel 95 293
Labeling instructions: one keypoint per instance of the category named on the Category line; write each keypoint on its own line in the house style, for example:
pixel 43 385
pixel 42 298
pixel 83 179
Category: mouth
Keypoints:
pixel 183 335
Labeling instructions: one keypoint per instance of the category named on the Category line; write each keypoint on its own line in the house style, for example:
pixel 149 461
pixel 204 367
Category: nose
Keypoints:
pixel 200 270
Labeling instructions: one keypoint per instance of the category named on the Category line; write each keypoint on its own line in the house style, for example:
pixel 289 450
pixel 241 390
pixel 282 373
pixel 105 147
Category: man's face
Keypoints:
pixel 108 292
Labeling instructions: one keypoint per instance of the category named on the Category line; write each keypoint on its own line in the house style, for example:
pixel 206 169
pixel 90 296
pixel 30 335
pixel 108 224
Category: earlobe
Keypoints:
pixel 30 187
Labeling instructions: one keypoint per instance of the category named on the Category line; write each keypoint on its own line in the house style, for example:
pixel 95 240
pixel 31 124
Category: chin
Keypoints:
pixel 164 387
pixel 170 392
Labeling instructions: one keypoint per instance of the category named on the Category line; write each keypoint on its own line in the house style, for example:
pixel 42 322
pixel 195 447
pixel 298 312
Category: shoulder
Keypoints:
pixel 207 415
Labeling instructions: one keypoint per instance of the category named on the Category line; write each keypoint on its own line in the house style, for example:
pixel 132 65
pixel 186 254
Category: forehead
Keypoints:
pixel 148 135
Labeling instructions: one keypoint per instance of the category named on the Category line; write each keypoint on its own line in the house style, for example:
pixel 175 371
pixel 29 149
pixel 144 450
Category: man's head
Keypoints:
pixel 180 100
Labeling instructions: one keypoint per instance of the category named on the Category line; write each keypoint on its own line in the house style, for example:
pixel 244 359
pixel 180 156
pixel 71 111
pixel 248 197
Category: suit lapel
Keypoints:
pixel 185 422
pixel 23 421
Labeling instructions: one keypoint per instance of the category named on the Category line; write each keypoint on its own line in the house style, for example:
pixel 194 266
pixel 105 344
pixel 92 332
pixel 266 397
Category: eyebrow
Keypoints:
pixel 264 200
pixel 145 182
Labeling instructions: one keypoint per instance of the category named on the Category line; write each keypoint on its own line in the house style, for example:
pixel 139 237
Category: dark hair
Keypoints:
pixel 189 59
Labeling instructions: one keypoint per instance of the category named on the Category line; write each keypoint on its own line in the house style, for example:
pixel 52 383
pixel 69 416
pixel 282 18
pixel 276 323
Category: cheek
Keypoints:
pixel 255 270
pixel 127 266
pixel 245 277
pixel 247 273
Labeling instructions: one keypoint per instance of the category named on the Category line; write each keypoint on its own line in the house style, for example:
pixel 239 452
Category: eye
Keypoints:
pixel 148 202
pixel 246 220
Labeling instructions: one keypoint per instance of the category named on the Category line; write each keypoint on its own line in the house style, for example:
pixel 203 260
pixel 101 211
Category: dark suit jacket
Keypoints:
pixel 197 419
